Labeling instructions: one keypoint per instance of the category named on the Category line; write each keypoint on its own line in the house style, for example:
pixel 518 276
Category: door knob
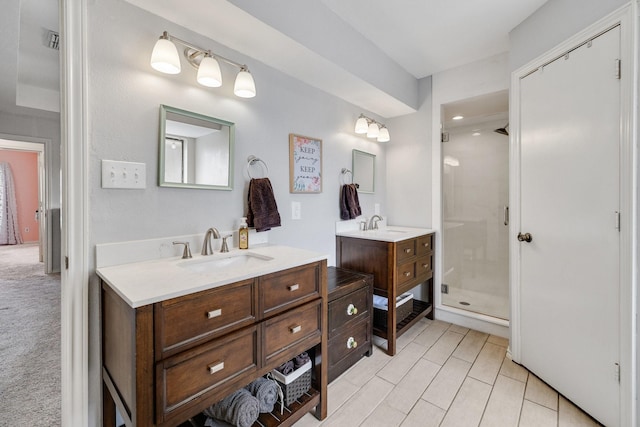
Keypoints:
pixel 526 237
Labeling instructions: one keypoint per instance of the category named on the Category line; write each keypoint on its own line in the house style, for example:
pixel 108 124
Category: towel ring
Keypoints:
pixel 252 160
pixel 343 175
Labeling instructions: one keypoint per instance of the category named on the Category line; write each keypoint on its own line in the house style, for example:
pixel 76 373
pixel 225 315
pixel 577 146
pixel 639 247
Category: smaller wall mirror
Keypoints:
pixel 196 151
pixel 364 171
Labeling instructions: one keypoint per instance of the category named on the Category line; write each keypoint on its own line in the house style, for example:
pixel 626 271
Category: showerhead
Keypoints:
pixel 503 131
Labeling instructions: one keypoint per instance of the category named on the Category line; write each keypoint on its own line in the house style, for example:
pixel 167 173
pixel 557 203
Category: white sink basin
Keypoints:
pixel 221 262
pixel 387 231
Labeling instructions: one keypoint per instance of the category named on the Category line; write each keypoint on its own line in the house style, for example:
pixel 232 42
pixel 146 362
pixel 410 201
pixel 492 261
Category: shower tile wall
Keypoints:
pixel 475 192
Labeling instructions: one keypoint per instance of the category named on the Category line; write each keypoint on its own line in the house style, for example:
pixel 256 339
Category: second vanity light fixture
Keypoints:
pixel 165 58
pixel 372 128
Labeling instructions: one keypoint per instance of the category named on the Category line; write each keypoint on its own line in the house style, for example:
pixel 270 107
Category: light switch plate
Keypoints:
pixel 296 209
pixel 117 174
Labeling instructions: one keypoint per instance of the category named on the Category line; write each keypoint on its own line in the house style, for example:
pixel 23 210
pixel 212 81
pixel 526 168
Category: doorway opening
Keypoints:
pixel 475 194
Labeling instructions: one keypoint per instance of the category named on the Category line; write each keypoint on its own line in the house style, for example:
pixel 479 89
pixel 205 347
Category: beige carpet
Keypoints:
pixel 29 339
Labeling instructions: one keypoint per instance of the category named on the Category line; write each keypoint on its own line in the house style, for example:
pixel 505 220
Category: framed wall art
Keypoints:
pixel 305 164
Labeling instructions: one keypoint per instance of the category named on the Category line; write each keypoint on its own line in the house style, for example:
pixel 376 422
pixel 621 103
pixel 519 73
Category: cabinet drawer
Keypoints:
pixel 406 272
pixel 188 375
pixel 424 267
pixel 203 315
pixel 348 309
pixel 350 341
pixel 405 250
pixel 285 331
pixel 280 291
pixel 424 245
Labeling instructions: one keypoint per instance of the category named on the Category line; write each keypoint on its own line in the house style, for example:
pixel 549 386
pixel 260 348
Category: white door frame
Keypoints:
pixel 74 213
pixel 38 145
pixel 626 17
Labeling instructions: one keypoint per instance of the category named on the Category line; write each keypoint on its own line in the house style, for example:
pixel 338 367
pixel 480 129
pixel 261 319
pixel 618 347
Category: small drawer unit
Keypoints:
pixel 350 296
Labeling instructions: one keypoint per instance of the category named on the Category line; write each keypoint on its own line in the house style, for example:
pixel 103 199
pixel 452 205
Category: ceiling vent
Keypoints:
pixel 53 40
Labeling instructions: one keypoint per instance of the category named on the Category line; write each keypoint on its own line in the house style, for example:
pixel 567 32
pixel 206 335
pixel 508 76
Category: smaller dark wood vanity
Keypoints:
pixel 350 297
pixel 397 266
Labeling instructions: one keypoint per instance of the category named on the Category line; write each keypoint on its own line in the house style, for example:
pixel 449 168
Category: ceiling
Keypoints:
pixel 369 52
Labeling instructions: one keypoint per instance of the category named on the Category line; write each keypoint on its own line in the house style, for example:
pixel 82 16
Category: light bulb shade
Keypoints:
pixel 373 131
pixel 165 58
pixel 383 135
pixel 209 73
pixel 361 125
pixel 245 87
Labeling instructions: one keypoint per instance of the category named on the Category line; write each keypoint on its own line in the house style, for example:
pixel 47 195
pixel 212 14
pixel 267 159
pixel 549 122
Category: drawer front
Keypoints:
pixel 349 341
pixel 348 309
pixel 291 328
pixel 425 245
pixel 405 250
pixel 186 376
pixel 406 273
pixel 204 315
pixel 280 291
pixel 423 267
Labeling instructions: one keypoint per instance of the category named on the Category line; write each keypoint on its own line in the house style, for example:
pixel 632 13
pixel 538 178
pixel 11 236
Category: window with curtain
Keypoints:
pixel 9 228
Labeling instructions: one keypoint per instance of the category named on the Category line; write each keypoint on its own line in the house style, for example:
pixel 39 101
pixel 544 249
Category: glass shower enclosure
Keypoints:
pixel 475 194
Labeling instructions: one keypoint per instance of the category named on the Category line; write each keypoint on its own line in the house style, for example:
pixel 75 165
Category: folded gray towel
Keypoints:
pixel 240 408
pixel 286 368
pixel 266 391
pixel 301 359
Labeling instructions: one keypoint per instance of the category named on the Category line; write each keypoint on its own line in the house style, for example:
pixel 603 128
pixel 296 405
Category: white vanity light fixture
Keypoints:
pixel 373 129
pixel 165 58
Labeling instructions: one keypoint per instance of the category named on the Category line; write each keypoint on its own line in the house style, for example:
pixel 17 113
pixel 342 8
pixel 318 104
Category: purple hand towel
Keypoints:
pixel 349 202
pixel 263 210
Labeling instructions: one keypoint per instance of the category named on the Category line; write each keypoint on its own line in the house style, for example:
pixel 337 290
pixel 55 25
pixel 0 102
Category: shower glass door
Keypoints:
pixel 475 179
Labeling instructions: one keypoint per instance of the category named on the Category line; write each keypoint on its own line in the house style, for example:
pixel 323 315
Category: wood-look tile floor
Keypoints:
pixel 444 375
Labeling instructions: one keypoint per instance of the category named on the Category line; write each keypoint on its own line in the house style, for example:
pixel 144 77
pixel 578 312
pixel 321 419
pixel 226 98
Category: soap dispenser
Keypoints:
pixel 243 234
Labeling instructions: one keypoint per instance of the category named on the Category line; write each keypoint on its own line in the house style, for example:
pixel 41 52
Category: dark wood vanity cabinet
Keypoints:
pixel 350 318
pixel 397 268
pixel 164 363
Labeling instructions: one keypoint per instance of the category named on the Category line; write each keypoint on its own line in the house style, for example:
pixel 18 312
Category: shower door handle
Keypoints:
pixel 526 237
pixel 506 215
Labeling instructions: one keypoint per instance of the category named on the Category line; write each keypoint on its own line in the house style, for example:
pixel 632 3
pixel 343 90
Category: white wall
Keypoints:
pixel 124 97
pixel 554 22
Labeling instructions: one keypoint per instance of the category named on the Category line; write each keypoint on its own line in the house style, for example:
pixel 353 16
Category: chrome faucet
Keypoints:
pixel 373 222
pixel 207 249
pixel 225 247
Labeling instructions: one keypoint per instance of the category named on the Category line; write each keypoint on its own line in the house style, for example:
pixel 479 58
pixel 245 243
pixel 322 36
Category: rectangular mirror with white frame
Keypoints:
pixel 364 171
pixel 195 151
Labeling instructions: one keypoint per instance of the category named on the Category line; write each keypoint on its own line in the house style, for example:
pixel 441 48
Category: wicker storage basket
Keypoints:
pixel 404 307
pixel 295 384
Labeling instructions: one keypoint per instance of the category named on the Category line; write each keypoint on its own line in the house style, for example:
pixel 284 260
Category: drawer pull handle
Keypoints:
pixel 351 310
pixel 352 343
pixel 214 313
pixel 407 251
pixel 295 329
pixel 425 265
pixel 215 367
pixel 293 287
pixel 407 273
pixel 426 245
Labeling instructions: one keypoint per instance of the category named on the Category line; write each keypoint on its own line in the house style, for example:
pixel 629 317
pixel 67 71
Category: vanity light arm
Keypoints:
pixel 169 37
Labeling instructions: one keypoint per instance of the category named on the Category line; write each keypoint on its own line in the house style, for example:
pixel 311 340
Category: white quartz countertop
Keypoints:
pixel 388 233
pixel 148 282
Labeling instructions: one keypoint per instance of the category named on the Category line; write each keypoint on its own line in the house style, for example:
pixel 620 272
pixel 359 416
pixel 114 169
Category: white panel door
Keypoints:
pixel 569 193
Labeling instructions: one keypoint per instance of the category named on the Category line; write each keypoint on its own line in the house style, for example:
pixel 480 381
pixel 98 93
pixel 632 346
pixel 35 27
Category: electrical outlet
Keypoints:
pixel 296 210
pixel 116 174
